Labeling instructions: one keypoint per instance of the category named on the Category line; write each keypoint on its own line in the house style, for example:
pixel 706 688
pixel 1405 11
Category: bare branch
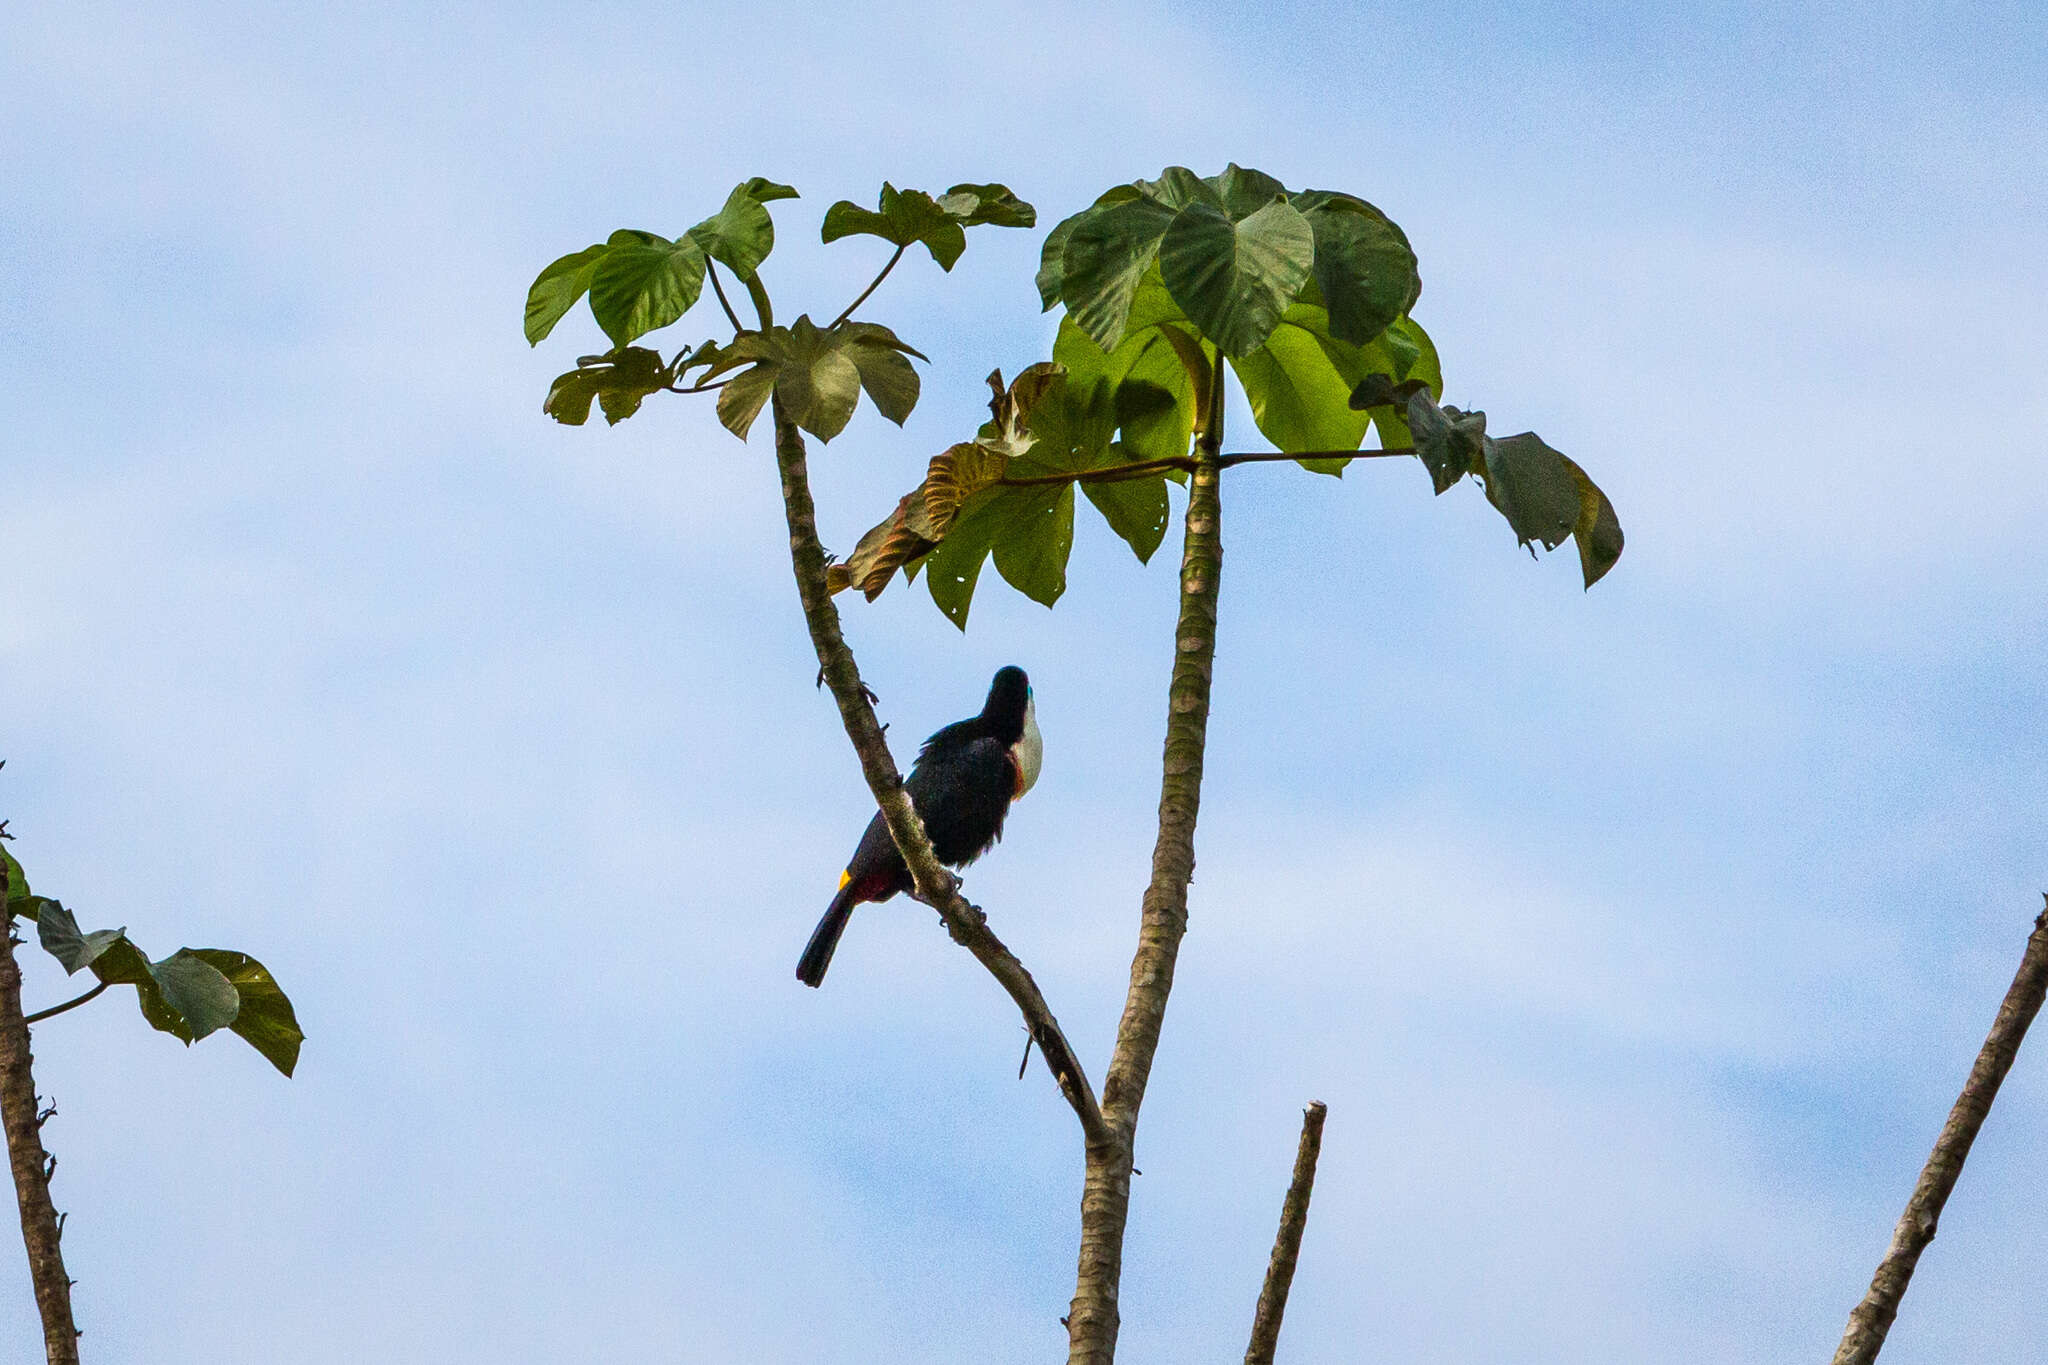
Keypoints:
pixel 1873 1317
pixel 934 884
pixel 31 1165
pixel 1287 1242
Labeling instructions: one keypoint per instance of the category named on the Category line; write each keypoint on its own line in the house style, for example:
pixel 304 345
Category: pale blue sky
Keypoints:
pixel 1638 940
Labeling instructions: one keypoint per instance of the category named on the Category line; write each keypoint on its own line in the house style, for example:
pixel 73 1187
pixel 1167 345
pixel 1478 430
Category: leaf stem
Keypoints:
pixel 758 292
pixel 55 1010
pixel 711 269
pixel 873 285
pixel 1144 468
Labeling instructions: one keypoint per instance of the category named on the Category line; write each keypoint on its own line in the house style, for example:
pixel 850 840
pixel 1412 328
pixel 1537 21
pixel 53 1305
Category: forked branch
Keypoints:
pixel 1872 1318
pixel 1287 1242
pixel 936 886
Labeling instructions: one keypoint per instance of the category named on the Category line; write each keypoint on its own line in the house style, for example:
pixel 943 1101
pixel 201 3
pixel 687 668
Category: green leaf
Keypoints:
pixel 1036 538
pixel 889 378
pixel 905 217
pixel 198 991
pixel 1052 261
pixel 1364 267
pixel 819 384
pixel 767 191
pixel 619 380
pixel 744 395
pixel 1177 187
pixel 1235 279
pixel 1106 255
pixel 20 901
pixel 993 204
pixel 644 281
pixel 183 995
pixel 1154 389
pixel 1299 395
pixel 952 570
pixel 1244 192
pixel 556 289
pixel 1135 509
pixel 265 1019
pixel 741 234
pixel 58 931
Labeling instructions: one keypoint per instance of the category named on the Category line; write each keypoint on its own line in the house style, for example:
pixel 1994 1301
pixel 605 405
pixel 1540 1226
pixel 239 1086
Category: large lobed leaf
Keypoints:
pixel 909 217
pixel 1234 250
pixel 818 373
pixel 640 281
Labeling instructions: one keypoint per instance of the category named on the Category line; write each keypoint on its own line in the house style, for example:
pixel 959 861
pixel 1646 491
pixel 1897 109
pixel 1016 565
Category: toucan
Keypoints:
pixel 962 785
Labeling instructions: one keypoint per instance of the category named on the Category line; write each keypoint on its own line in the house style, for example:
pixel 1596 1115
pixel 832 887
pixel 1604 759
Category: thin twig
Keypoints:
pixel 1873 1317
pixel 55 1010
pixel 873 285
pixel 934 884
pixel 31 1165
pixel 1287 1242
pixel 711 269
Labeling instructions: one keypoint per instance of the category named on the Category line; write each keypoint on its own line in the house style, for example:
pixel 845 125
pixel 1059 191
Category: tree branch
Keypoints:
pixel 55 1010
pixel 1145 468
pixel 935 885
pixel 873 285
pixel 1106 1192
pixel 1872 1318
pixel 31 1165
pixel 1287 1242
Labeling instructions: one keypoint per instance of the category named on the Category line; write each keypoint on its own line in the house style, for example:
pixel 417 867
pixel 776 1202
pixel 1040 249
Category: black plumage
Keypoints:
pixel 961 786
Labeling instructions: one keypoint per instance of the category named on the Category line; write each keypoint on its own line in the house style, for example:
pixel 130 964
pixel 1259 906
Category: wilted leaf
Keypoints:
pixel 618 380
pixel 926 516
pixel 58 931
pixel 556 290
pixel 265 1019
pixel 1544 496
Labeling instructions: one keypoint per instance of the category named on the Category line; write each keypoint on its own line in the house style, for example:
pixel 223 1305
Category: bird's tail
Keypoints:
pixel 810 968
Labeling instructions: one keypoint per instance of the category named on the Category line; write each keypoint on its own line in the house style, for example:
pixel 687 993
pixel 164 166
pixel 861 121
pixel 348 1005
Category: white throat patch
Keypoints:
pixel 1029 749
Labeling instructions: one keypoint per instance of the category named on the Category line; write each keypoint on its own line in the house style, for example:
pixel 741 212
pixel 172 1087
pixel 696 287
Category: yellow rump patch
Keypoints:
pixel 844 878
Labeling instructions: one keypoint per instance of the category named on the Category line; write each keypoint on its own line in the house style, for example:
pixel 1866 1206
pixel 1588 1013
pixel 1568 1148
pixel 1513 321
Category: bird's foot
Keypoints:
pixel 865 690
